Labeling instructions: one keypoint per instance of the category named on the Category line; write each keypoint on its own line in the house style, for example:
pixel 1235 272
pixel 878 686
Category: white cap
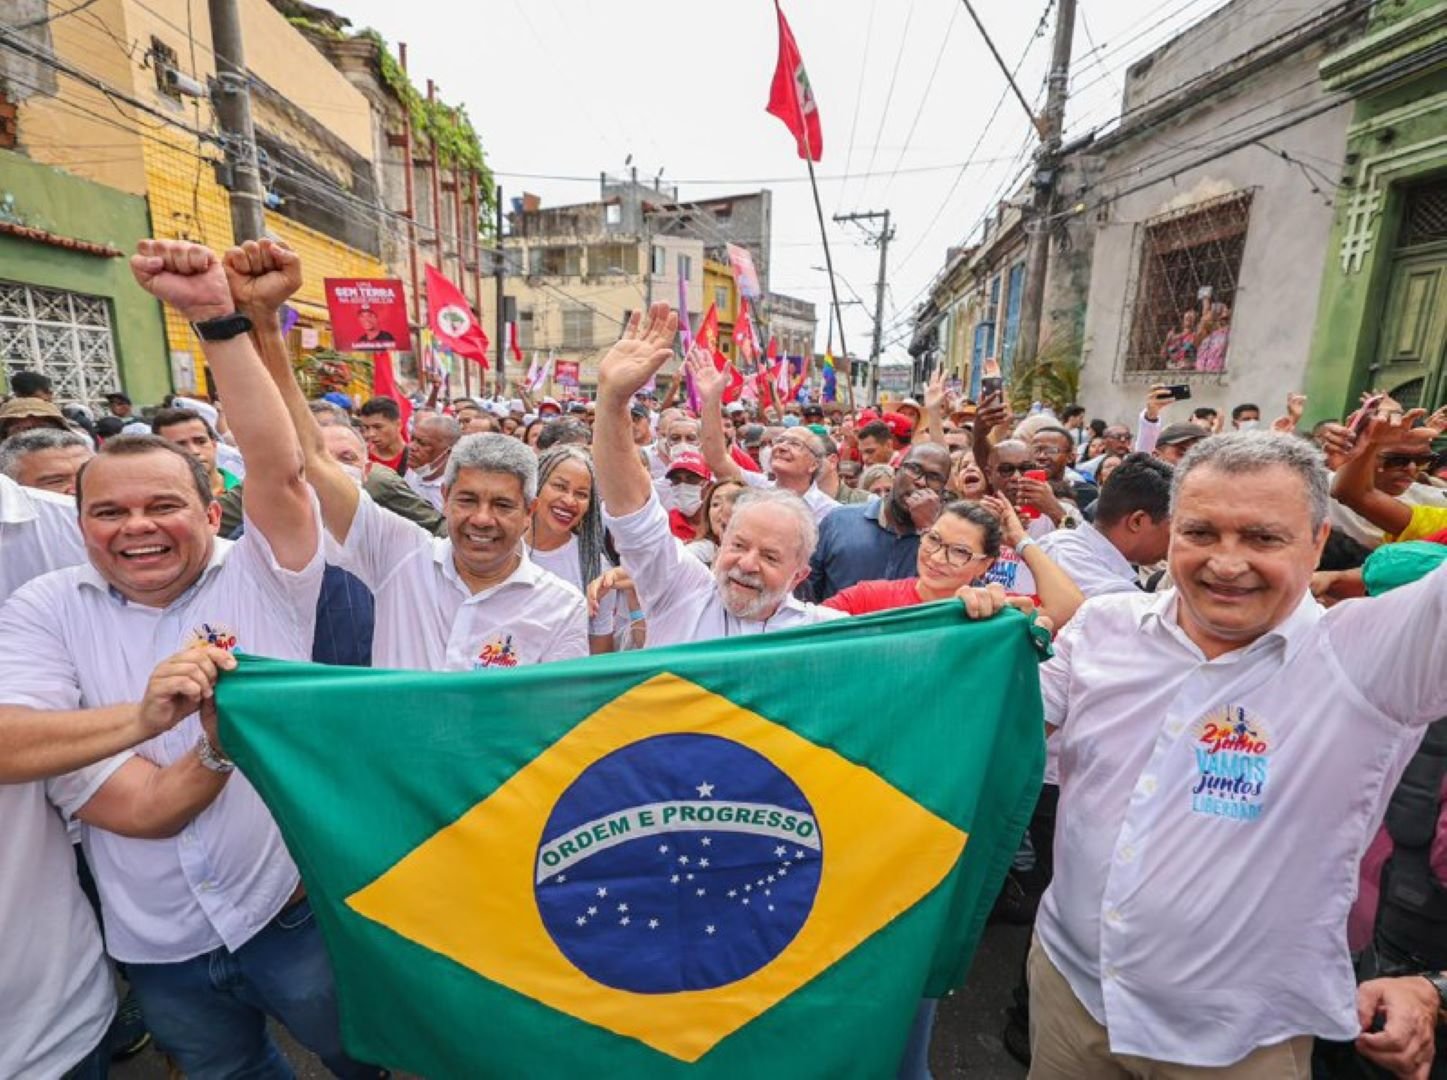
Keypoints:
pixel 203 408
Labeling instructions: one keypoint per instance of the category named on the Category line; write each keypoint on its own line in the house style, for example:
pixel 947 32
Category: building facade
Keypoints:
pixel 1382 313
pixel 1210 206
pixel 137 120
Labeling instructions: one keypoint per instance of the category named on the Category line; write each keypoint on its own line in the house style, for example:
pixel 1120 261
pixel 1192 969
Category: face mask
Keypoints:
pixel 1248 425
pixel 355 472
pixel 765 456
pixel 688 498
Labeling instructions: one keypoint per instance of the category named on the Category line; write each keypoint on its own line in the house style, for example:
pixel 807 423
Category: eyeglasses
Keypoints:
pixel 931 543
pixel 1404 461
pixel 1004 468
pixel 919 472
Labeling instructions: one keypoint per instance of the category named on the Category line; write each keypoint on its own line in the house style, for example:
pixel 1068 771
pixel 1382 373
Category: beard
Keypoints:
pixel 757 606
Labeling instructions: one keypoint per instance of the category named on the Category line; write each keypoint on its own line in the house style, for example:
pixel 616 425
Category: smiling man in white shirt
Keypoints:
pixel 467 601
pixel 200 897
pixel 1226 750
pixel 764 553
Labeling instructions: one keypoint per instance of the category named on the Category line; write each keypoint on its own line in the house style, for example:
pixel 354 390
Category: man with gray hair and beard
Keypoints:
pixel 763 555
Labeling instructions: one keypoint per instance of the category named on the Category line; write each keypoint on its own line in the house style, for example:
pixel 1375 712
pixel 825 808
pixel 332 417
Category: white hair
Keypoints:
pixel 787 503
pixel 1237 452
pixel 16 448
pixel 494 453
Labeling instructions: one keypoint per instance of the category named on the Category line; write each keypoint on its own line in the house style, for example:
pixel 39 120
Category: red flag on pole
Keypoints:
pixel 452 319
pixel 512 342
pixel 791 98
pixel 384 384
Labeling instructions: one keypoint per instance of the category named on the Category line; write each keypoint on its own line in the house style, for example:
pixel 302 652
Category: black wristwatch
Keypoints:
pixel 1439 982
pixel 223 327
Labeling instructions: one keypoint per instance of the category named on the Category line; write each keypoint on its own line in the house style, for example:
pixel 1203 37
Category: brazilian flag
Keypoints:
pixel 745 857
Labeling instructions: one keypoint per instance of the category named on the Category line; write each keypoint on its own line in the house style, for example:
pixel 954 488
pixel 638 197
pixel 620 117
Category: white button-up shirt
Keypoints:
pixel 427 487
pixel 678 592
pixel 72 642
pixel 1213 813
pixel 429 620
pixel 814 499
pixel 57 995
pixel 1090 560
pixel 39 532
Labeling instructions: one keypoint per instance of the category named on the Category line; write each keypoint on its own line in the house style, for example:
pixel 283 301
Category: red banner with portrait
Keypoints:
pixel 368 314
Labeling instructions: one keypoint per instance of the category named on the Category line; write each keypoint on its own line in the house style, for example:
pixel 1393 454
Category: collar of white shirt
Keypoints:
pixel 1107 552
pixel 87 574
pixel 1161 615
pixel 526 574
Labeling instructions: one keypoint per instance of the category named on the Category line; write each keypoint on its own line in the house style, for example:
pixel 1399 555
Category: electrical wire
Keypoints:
pixel 858 98
pixel 889 94
pixel 924 98
pixel 33 23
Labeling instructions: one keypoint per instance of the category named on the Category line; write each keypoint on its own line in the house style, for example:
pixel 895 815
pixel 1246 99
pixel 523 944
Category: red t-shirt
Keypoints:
pixel 869 596
pixel 742 459
pixel 680 527
pixel 397 464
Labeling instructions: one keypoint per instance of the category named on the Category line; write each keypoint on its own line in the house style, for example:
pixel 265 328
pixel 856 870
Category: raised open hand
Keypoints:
pixel 262 275
pixel 185 275
pixel 708 380
pixel 646 345
pixel 934 391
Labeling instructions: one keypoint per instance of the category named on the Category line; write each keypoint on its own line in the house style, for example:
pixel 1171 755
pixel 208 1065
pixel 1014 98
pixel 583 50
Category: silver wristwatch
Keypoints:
pixel 210 758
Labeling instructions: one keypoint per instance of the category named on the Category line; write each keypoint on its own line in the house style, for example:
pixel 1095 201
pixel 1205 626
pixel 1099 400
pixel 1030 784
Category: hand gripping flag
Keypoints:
pixel 452 319
pixel 791 98
pixel 716 860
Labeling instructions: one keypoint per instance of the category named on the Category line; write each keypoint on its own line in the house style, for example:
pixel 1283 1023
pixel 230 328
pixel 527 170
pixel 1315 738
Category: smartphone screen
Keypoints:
pixel 1180 391
pixel 992 384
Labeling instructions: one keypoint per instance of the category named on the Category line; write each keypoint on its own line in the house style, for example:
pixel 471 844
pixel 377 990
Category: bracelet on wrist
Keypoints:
pixel 211 758
pixel 636 616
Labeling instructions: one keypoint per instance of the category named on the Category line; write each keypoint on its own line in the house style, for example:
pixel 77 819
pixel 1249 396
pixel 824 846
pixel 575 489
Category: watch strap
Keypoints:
pixel 223 327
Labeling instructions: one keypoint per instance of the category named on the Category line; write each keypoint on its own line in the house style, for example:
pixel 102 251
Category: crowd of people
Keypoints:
pixel 1239 855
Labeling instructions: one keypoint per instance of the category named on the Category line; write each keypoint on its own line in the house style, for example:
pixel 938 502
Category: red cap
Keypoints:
pixel 900 426
pixel 690 462
pixel 867 416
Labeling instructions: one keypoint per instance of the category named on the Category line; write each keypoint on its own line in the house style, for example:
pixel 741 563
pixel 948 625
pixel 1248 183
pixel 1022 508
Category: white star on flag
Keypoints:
pixel 733 893
pixel 770 879
pixel 705 791
pixel 602 892
pixel 798 854
pixel 561 878
pixel 622 907
pixel 592 911
pixel 708 929
pixel 706 841
pixel 582 921
pixel 688 877
pixel 653 924
pixel 703 864
pixel 683 860
pixel 746 901
pixel 698 892
pixel 783 870
pixel 673 880
pixel 781 850
pixel 663 850
pixel 623 921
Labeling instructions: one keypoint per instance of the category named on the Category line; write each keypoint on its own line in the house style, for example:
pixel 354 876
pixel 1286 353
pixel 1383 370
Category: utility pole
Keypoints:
pixel 1047 168
pixel 233 113
pixel 500 272
pixel 885 235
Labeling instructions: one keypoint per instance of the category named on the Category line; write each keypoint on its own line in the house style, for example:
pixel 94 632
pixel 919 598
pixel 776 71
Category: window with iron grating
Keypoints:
pixel 1186 280
pixel 1424 216
pixel 64 335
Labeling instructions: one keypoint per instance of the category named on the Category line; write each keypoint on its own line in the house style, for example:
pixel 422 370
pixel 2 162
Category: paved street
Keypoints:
pixel 967 1036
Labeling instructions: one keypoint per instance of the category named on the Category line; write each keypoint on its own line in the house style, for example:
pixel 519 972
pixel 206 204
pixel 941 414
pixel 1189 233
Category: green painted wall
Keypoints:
pixel 1398 135
pixel 50 199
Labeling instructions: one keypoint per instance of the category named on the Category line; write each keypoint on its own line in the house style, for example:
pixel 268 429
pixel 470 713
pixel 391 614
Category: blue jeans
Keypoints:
pixel 94 1066
pixel 915 1063
pixel 209 1013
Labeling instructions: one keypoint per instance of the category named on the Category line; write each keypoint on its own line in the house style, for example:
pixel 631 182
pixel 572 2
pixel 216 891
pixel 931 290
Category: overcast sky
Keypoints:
pixel 566 88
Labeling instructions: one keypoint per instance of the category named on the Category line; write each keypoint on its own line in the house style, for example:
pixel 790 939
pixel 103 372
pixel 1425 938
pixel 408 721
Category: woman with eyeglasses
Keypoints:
pixel 954 555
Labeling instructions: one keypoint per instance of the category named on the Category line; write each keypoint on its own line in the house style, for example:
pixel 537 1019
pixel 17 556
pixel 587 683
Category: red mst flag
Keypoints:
pixel 384 384
pixel 452 319
pixel 790 97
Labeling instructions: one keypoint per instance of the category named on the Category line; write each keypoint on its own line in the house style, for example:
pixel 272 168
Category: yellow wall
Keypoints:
pixel 81 130
pixel 718 275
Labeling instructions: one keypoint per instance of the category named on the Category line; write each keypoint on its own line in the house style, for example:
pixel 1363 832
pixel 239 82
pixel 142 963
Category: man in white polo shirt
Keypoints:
pixel 764 553
pixel 199 895
pixel 798 454
pixel 1226 751
pixel 467 601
